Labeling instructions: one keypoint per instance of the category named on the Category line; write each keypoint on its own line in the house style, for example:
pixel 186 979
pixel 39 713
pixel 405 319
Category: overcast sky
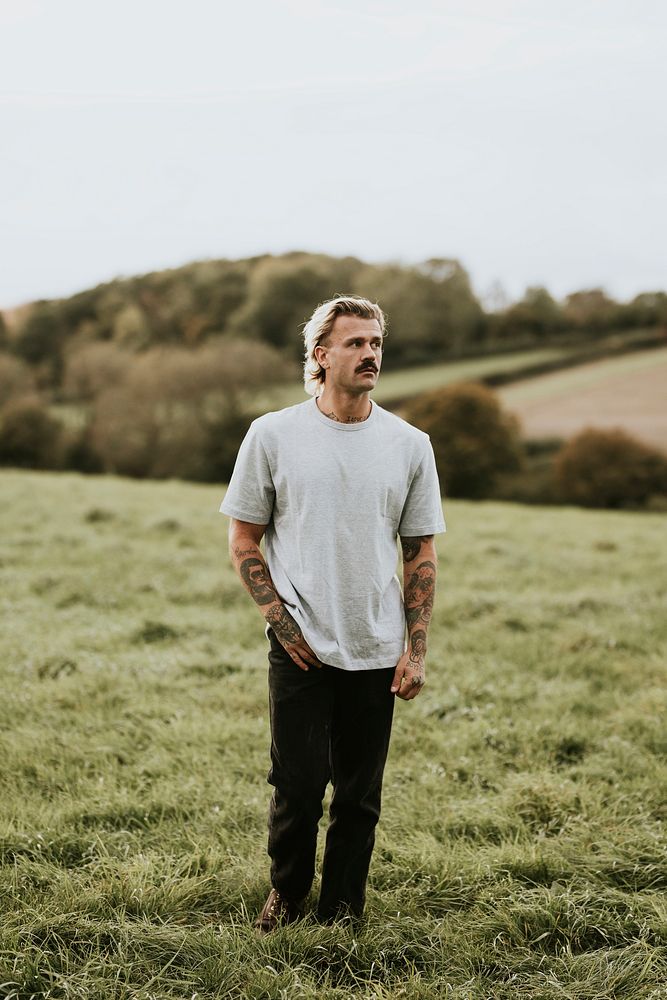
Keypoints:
pixel 526 138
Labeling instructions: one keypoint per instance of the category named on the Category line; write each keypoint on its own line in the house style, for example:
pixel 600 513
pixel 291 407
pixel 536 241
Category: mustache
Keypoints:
pixel 367 366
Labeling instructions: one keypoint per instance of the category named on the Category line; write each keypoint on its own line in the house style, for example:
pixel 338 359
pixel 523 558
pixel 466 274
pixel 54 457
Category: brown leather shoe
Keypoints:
pixel 277 911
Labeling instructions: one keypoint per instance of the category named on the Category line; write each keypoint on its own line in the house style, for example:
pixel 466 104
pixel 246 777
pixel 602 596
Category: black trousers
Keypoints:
pixel 326 725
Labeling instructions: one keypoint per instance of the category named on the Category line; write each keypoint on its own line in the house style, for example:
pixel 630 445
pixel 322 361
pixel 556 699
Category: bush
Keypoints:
pixel 474 441
pixel 29 436
pixel 609 468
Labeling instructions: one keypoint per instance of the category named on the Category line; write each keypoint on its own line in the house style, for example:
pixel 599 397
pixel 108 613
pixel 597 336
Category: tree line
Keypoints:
pixel 433 311
pixel 159 375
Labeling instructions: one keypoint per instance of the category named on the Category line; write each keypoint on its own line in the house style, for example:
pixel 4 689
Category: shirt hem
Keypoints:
pixel 428 530
pixel 244 515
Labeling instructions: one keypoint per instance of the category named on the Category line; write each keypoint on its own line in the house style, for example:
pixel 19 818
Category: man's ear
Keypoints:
pixel 320 355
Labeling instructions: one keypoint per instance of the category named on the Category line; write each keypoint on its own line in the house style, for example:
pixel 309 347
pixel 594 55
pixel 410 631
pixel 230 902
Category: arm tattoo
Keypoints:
pixel 418 645
pixel 412 544
pixel 412 615
pixel 240 553
pixel 256 577
pixel 282 623
pixel 418 603
pixel 419 589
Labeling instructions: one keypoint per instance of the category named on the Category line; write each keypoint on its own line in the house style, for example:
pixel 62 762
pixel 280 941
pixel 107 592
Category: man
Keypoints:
pixel 330 483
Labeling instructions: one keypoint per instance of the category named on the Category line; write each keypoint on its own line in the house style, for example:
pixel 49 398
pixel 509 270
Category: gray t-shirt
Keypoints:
pixel 334 497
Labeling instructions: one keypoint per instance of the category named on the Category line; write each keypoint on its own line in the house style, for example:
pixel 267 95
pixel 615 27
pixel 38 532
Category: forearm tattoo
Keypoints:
pixel 418 601
pixel 418 645
pixel 255 575
pixel 286 629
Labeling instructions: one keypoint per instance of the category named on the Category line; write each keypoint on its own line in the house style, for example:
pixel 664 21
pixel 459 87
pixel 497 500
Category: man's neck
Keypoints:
pixel 346 409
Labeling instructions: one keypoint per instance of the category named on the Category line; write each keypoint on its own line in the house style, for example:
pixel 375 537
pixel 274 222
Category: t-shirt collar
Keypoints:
pixel 338 425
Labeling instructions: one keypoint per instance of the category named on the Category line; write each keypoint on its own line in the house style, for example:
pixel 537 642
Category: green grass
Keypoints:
pixel 521 851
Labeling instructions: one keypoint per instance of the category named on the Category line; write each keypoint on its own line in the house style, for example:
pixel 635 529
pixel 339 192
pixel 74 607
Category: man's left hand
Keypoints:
pixel 409 678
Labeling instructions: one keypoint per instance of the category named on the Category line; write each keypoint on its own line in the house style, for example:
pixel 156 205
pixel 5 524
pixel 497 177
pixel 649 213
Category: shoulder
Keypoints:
pixel 280 418
pixel 273 425
pixel 400 430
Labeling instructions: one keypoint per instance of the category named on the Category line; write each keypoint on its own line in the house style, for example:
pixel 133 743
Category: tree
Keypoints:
pixel 646 309
pixel 473 440
pixel 431 309
pixel 219 288
pixel 162 418
pixel 41 335
pixel 130 327
pixel 16 379
pixel 536 315
pixel 591 309
pixel 94 367
pixel 282 294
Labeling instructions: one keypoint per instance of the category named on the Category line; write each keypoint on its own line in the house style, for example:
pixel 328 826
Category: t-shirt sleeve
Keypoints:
pixel 422 511
pixel 251 492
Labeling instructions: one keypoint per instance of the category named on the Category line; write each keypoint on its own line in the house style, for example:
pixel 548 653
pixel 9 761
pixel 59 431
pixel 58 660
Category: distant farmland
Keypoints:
pixel 628 392
pixel 407 382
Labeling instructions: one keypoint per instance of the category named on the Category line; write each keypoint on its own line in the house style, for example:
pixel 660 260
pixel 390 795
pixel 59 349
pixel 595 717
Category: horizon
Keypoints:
pixel 484 299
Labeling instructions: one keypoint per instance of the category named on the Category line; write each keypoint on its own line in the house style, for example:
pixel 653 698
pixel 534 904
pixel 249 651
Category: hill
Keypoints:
pixel 521 850
pixel 159 375
pixel 433 311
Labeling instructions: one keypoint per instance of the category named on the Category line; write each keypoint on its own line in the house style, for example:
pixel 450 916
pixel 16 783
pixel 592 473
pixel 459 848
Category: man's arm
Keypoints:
pixel 419 573
pixel 249 563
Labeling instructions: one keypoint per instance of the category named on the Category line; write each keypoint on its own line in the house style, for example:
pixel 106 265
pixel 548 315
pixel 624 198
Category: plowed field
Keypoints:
pixel 628 392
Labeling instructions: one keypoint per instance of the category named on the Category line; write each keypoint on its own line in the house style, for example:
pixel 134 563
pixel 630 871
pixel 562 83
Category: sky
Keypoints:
pixel 527 139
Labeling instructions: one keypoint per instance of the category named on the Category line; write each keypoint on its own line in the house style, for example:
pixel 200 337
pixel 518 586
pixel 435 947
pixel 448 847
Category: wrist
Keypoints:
pixel 417 645
pixel 282 623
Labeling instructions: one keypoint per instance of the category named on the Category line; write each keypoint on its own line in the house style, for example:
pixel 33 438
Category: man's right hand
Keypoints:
pixel 290 637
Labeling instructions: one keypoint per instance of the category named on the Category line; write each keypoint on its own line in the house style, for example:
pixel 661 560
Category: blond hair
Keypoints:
pixel 320 325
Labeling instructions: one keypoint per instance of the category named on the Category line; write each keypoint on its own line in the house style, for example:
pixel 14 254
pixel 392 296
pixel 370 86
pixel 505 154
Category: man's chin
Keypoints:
pixel 362 388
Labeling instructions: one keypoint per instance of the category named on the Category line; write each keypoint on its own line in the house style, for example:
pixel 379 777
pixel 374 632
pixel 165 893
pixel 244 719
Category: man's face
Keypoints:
pixel 352 354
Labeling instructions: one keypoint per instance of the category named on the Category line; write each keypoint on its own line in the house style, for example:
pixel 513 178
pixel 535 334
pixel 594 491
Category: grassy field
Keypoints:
pixel 521 851
pixel 627 391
